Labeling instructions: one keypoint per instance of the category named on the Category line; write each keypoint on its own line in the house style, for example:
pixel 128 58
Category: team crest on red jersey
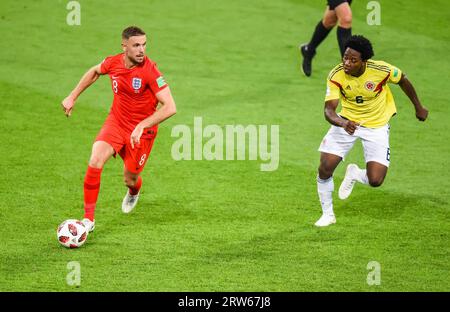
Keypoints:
pixel 137 83
pixel 369 85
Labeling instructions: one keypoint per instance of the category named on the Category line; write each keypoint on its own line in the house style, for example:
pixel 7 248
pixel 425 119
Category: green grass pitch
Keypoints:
pixel 219 225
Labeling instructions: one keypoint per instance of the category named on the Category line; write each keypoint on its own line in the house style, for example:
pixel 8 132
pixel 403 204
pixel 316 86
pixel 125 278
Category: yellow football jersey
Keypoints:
pixel 366 99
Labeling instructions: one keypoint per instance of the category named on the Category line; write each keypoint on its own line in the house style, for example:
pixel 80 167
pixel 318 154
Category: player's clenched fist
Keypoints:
pixel 350 126
pixel 421 113
pixel 67 105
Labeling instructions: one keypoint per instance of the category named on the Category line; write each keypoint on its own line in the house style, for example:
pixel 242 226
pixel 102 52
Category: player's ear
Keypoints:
pixel 124 45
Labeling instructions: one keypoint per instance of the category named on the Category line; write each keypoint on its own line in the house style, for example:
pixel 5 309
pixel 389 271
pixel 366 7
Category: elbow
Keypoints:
pixel 171 111
pixel 326 114
pixel 94 76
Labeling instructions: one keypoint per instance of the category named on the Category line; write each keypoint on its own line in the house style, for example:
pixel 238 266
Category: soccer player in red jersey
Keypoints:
pixel 132 124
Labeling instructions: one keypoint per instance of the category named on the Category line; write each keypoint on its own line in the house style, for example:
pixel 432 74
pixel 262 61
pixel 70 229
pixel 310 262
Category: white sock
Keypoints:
pixel 361 176
pixel 325 190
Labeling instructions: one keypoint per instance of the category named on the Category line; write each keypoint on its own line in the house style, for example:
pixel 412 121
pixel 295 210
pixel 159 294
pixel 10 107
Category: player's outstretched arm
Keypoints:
pixel 408 88
pixel 88 78
pixel 167 109
pixel 334 119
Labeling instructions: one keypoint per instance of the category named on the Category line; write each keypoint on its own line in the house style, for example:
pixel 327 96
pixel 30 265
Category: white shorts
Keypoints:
pixel 375 143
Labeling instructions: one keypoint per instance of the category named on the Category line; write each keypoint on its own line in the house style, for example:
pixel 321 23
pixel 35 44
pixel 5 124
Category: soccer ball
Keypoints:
pixel 72 233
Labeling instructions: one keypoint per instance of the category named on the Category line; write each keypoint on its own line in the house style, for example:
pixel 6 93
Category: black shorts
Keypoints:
pixel 334 3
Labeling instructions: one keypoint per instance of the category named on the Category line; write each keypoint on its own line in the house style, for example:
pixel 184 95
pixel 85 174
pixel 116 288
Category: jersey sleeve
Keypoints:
pixel 106 65
pixel 395 74
pixel 333 84
pixel 156 80
pixel 333 91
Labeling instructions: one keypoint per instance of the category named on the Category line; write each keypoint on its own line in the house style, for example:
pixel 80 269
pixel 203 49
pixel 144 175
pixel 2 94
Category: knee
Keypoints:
pixel 329 22
pixel 375 181
pixel 345 21
pixel 324 172
pixel 96 162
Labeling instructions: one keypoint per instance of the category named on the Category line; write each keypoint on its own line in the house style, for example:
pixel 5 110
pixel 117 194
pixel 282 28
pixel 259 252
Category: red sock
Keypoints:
pixel 137 187
pixel 91 189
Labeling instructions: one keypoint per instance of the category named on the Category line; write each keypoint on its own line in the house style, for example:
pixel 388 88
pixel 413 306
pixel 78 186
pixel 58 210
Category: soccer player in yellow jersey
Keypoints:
pixel 361 86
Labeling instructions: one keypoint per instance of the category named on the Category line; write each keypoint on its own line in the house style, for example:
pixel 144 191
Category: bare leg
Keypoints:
pixel 330 18
pixel 101 152
pixel 344 30
pixel 343 13
pixel 376 173
pixel 328 163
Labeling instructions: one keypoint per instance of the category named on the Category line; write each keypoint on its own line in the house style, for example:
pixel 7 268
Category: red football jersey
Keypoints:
pixel 134 90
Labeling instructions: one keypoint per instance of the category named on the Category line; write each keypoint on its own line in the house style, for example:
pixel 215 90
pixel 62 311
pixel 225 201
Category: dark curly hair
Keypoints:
pixel 360 44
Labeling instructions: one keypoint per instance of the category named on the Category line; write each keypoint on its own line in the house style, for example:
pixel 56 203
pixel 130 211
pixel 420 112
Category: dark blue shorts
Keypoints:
pixel 334 3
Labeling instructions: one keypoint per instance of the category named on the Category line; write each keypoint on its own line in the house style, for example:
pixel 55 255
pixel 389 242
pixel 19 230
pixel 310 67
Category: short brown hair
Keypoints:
pixel 132 31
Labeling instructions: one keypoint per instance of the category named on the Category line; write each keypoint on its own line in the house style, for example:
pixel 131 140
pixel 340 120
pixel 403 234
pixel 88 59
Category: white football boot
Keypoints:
pixel 88 224
pixel 129 202
pixel 325 220
pixel 349 181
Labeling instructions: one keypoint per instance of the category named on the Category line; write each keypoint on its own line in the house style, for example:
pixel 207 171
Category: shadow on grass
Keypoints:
pixel 382 205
